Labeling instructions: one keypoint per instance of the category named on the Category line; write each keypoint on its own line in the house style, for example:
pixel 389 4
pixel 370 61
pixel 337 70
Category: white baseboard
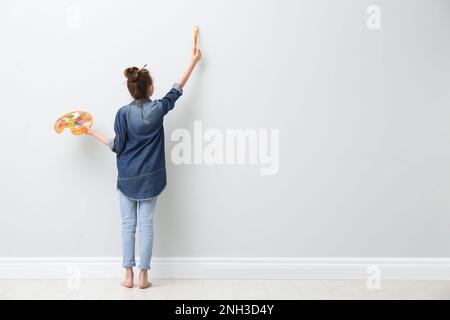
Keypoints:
pixel 232 268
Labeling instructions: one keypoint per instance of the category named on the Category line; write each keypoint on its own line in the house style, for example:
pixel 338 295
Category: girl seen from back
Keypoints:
pixel 140 155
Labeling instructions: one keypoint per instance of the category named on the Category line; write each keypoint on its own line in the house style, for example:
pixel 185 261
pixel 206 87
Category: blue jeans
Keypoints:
pixel 132 212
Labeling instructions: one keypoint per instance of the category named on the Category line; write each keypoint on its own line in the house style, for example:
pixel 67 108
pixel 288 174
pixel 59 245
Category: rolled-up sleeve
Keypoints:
pixel 120 128
pixel 168 102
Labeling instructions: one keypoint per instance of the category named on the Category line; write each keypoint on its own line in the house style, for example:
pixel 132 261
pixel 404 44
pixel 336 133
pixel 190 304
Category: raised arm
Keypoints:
pixel 168 102
pixel 196 56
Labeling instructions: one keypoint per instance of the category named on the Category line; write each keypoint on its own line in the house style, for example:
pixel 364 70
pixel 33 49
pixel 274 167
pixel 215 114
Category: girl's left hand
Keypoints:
pixel 89 131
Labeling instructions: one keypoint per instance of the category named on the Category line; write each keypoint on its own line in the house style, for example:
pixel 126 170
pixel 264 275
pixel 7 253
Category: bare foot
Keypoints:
pixel 143 280
pixel 129 277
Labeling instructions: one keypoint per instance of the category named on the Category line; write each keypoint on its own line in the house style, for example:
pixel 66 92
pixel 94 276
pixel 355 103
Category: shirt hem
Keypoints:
pixel 145 199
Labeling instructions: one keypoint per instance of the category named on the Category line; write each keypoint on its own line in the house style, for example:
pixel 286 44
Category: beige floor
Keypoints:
pixel 224 289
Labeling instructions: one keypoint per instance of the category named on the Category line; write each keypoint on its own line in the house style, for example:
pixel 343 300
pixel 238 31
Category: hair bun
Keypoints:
pixel 132 74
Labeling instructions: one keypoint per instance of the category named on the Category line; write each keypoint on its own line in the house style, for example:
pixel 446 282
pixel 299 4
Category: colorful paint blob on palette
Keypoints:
pixel 77 121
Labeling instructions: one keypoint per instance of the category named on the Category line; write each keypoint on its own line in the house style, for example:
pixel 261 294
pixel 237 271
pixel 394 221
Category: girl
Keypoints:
pixel 139 148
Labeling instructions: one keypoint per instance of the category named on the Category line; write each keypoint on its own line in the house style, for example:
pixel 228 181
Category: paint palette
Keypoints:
pixel 77 121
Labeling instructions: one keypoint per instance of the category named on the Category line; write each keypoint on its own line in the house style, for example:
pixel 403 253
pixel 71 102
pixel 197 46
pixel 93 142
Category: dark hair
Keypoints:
pixel 138 81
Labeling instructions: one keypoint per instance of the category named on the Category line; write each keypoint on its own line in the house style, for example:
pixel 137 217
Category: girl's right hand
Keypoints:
pixel 196 55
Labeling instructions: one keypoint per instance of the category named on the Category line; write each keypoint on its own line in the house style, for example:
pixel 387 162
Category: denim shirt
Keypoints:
pixel 139 146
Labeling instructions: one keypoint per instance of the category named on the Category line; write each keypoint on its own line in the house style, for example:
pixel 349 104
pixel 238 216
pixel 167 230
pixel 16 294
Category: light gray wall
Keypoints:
pixel 363 116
